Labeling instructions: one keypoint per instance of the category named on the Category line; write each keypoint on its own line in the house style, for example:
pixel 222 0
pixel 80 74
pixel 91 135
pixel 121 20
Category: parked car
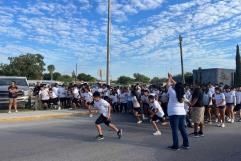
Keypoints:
pixel 24 92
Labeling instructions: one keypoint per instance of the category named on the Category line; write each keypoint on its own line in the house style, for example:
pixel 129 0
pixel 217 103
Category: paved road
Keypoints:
pixel 72 139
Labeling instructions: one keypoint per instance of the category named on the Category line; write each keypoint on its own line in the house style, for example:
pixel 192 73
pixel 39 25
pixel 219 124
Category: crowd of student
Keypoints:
pixel 183 106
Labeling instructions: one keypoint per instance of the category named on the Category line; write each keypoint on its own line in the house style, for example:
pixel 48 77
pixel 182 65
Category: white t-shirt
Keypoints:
pixel 53 95
pixel 206 98
pixel 102 106
pixel 212 90
pixel 174 107
pixel 219 98
pixel 44 94
pixel 135 102
pixel 123 97
pixel 144 99
pixel 114 98
pixel 230 97
pixel 156 105
pixel 61 92
pixel 76 93
pixel 55 90
pixel 164 97
pixel 238 97
pixel 88 96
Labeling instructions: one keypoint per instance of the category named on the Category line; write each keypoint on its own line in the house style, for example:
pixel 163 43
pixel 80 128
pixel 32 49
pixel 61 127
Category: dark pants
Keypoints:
pixel 188 121
pixel 178 122
pixel 123 106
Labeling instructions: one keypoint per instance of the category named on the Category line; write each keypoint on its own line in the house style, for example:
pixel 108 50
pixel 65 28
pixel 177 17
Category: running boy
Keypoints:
pixel 104 109
pixel 157 113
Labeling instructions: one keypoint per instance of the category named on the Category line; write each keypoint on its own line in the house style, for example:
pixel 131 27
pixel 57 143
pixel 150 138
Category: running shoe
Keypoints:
pixel 157 133
pixel 119 133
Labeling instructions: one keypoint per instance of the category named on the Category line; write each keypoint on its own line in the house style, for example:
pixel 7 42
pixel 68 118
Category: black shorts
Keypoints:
pixel 62 99
pixel 155 118
pixel 54 101
pixel 76 100
pixel 221 107
pixel 102 119
pixel 45 101
pixel 138 110
pixel 230 104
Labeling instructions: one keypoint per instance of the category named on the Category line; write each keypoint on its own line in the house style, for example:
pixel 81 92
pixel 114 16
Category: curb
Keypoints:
pixel 42 117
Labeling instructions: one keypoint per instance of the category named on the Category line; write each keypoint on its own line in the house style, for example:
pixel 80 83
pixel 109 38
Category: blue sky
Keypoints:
pixel 144 34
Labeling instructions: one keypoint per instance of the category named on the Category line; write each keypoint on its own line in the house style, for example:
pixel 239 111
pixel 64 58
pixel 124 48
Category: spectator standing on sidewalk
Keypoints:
pixel 198 110
pixel 36 90
pixel 13 89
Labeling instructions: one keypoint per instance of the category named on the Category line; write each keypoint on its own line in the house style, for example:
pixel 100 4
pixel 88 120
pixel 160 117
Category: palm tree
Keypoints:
pixel 51 70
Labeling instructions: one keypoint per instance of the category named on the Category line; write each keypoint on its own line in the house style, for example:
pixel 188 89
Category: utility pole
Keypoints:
pixel 108 44
pixel 180 44
pixel 76 72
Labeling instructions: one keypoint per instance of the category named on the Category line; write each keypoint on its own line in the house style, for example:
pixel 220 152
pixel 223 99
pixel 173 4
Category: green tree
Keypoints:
pixel 51 69
pixel 238 68
pixel 56 76
pixel 46 76
pixel 141 78
pixel 125 80
pixel 66 78
pixel 28 65
pixel 86 77
pixel 157 81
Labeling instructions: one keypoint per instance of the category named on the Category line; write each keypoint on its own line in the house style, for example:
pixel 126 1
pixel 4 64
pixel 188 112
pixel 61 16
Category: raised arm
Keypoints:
pixel 170 80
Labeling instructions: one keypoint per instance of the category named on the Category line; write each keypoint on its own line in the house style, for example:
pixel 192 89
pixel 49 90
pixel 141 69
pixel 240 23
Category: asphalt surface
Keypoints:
pixel 73 139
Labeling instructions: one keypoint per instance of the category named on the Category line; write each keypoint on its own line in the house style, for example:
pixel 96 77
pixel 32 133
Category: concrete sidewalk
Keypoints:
pixel 40 115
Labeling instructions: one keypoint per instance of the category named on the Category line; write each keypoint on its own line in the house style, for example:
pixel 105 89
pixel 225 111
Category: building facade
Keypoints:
pixel 214 76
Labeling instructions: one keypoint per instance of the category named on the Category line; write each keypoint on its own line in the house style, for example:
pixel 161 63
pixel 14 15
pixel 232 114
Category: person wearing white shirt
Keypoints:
pixel 114 100
pixel 123 100
pixel 44 96
pixel 220 103
pixel 177 113
pixel 238 101
pixel 157 114
pixel 88 99
pixel 62 95
pixel 207 102
pixel 145 104
pixel 76 98
pixel 53 99
pixel 136 107
pixel 104 109
pixel 230 103
pixel 129 101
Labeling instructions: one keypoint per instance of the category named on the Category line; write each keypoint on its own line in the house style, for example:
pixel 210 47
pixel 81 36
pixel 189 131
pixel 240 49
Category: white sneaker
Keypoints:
pixel 223 125
pixel 90 115
pixel 229 120
pixel 139 122
pixel 157 133
pixel 16 111
pixel 232 121
pixel 9 111
pixel 59 108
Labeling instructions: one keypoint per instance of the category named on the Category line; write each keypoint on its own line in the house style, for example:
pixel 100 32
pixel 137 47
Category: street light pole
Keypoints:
pixel 108 44
pixel 180 44
pixel 76 72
